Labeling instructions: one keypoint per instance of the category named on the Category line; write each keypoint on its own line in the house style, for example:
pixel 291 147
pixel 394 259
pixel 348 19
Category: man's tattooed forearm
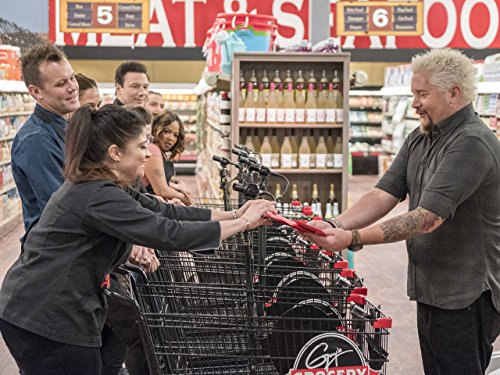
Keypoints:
pixel 408 225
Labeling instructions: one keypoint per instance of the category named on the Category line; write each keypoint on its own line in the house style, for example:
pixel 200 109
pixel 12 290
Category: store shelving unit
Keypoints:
pixel 366 134
pixel 400 119
pixel 304 178
pixel 15 107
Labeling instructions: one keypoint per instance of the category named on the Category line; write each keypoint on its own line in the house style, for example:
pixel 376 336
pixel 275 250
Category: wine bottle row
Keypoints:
pixel 298 208
pixel 290 101
pixel 310 153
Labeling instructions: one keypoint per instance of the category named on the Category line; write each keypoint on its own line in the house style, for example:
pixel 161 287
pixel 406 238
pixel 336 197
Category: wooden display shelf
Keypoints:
pixel 9 224
pixel 308 171
pixel 291 125
pixel 7 188
pixel 10 114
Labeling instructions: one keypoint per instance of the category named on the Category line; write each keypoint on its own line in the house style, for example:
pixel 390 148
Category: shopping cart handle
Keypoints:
pixel 348 273
pixel 383 323
pixel 342 264
pixel 361 290
pixel 357 299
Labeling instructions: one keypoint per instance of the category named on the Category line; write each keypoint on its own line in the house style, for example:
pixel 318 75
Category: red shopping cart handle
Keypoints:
pixel 383 323
pixel 357 299
pixel 299 225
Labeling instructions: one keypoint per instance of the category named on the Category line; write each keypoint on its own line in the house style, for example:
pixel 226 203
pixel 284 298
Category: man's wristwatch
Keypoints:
pixel 356 243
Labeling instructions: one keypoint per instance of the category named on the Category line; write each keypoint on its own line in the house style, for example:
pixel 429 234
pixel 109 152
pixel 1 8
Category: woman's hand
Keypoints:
pixel 335 239
pixel 252 211
pixel 145 258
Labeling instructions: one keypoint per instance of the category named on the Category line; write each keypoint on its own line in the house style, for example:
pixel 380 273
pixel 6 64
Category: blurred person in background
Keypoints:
pixel 88 91
pixel 131 84
pixel 155 103
pixel 167 145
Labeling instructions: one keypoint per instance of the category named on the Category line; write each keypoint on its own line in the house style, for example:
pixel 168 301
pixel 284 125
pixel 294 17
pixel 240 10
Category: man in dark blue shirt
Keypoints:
pixel 38 148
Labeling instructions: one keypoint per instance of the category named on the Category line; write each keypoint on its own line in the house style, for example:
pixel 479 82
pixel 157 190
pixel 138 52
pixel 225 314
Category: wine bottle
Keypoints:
pixel 331 195
pixel 250 104
pixel 338 158
pixel 331 105
pixel 328 211
pixel 312 82
pixel 339 101
pixel 318 212
pixel 260 105
pixel 336 211
pixel 253 79
pixel 272 105
pixel 266 151
pixel 256 140
pixel 279 199
pixel 300 102
pixel 265 84
pixel 311 110
pixel 241 106
pixel 312 146
pixel 243 86
pixel 275 157
pixel 295 203
pixel 304 152
pixel 321 105
pixel 286 152
pixel 329 149
pixel 321 153
pixel 323 82
pixel 295 150
pixel 289 104
pixel 248 141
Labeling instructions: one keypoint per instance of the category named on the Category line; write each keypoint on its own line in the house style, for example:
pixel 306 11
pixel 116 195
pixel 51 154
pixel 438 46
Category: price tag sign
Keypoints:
pixel 379 18
pixel 112 16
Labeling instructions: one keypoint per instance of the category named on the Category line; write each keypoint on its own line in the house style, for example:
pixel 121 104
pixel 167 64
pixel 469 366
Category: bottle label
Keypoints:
pixel 295 161
pixel 312 163
pixel 225 104
pixel 266 160
pixel 250 114
pixel 224 119
pixel 275 160
pixel 329 161
pixel 280 115
pixel 260 115
pixel 339 114
pixel 300 115
pixel 272 114
pixel 241 114
pixel 321 115
pixel 304 161
pixel 286 160
pixel 320 160
pixel 338 160
pixel 330 115
pixel 289 115
pixel 311 115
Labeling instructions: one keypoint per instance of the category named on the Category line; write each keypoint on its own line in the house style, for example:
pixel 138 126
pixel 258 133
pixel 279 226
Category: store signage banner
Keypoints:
pixel 182 23
pixel 466 24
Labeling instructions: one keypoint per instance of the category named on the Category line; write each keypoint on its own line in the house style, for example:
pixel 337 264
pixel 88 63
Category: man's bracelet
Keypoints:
pixel 335 223
pixel 246 221
pixel 235 214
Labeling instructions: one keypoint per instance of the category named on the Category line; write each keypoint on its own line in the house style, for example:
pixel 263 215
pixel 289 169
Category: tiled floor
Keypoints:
pixel 383 268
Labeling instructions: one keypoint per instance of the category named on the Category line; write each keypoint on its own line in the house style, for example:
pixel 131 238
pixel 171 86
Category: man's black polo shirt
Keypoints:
pixel 453 172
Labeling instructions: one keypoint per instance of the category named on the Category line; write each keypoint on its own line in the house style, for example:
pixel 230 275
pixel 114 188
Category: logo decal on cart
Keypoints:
pixel 331 354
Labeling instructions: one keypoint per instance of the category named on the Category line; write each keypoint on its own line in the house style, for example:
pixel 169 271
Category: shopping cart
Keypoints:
pixel 258 306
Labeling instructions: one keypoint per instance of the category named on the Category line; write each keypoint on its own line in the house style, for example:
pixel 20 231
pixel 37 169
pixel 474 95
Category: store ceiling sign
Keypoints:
pixel 114 16
pixel 466 24
pixel 379 18
pixel 172 23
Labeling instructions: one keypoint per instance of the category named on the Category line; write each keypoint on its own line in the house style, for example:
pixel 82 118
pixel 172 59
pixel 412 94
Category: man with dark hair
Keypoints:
pixel 38 148
pixel 155 103
pixel 131 84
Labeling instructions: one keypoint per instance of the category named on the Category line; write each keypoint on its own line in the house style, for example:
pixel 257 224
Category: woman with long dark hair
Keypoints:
pixel 52 307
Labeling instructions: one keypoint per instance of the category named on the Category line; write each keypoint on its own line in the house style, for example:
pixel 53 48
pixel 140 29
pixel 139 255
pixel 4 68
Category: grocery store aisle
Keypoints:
pixel 383 268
